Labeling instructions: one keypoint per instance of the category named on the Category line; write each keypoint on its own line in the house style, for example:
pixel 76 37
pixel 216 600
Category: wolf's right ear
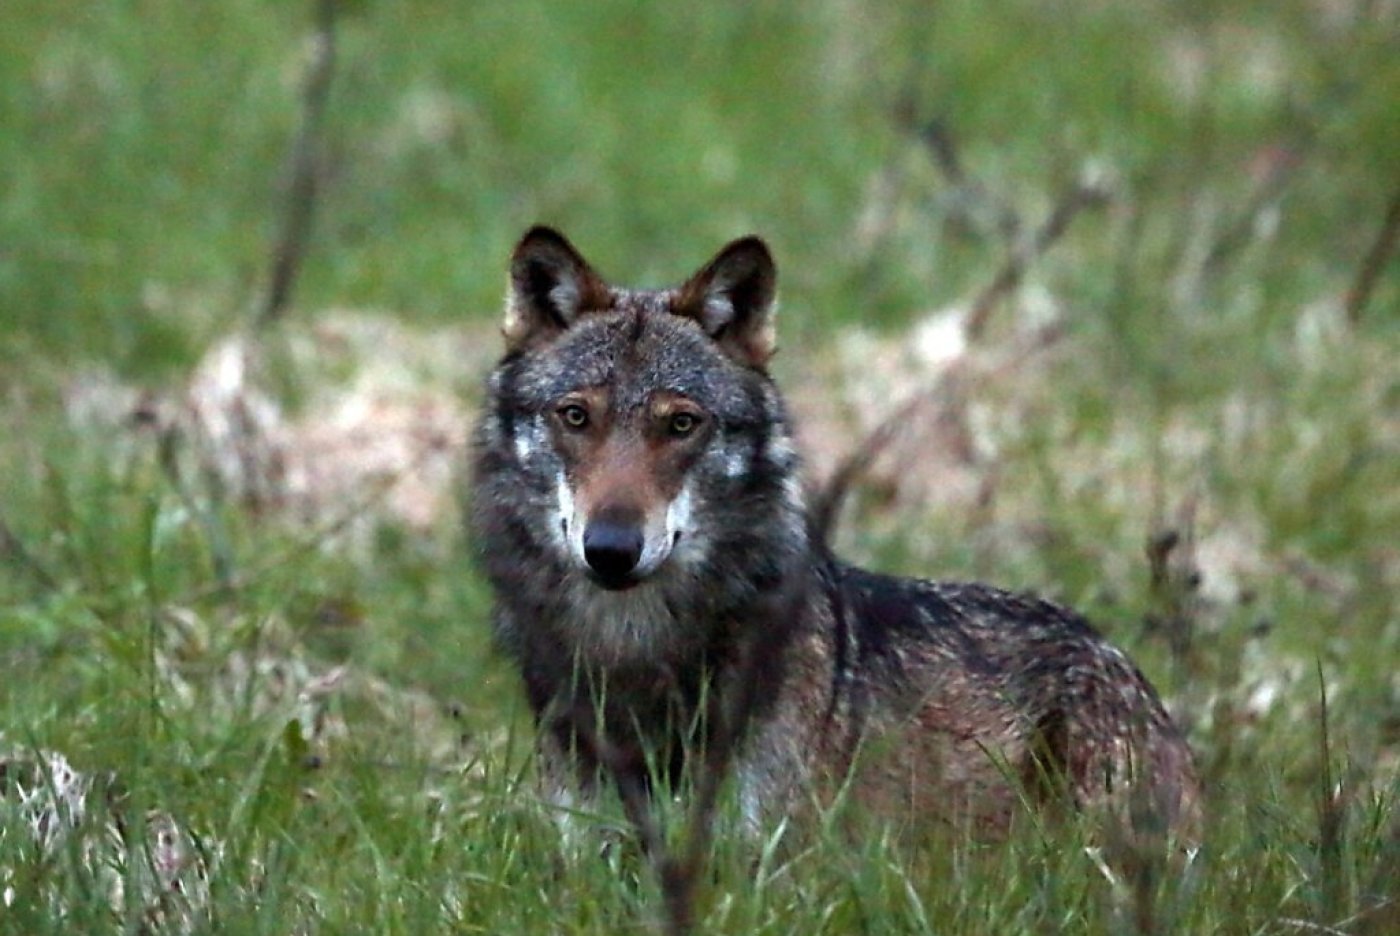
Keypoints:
pixel 732 299
pixel 550 286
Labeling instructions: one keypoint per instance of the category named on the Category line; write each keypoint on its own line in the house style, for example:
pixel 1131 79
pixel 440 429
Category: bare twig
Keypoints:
pixel 1280 171
pixel 1086 193
pixel 1333 800
pixel 826 503
pixel 1175 582
pixel 937 136
pixel 290 247
pixel 1382 249
pixel 12 549
pixel 1380 917
pixel 220 552
pixel 939 140
pixel 1277 175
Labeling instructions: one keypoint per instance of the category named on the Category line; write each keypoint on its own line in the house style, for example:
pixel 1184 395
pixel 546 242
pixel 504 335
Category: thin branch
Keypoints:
pixel 1382 249
pixel 826 503
pixel 1086 193
pixel 1280 172
pixel 220 551
pixel 290 247
pixel 1175 582
pixel 12 548
pixel 937 137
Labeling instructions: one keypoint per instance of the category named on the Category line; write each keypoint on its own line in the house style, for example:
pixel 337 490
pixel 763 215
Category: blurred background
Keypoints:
pixel 1110 289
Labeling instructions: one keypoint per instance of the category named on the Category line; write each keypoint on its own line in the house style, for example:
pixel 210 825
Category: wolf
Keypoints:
pixel 636 503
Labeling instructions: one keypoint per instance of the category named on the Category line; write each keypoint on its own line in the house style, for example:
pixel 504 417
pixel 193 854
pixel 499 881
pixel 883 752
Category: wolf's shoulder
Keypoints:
pixel 973 615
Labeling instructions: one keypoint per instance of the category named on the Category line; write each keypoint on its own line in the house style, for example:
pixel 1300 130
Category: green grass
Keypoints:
pixel 334 737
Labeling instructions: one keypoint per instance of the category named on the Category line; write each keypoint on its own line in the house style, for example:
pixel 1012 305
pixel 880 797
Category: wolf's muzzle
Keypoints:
pixel 612 551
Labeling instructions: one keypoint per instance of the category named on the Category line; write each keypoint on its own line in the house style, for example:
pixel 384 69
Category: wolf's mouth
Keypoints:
pixel 614 584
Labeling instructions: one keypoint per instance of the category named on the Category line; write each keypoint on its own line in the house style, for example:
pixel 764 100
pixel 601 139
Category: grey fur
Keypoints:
pixel 926 700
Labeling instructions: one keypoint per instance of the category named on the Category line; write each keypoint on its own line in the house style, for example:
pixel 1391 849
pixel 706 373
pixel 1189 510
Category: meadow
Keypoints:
pixel 1110 291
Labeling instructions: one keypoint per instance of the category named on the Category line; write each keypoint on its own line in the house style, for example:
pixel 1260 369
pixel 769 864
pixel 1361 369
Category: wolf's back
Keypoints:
pixel 1028 682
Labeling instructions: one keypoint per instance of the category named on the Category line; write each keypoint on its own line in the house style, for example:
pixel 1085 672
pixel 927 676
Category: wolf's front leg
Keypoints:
pixel 569 793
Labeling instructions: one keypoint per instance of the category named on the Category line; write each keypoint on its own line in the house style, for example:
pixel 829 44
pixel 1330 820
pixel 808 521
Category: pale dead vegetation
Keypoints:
pixel 236 669
pixel 381 421
pixel 321 716
pixel 972 441
pixel 967 418
pixel 57 809
pixel 944 448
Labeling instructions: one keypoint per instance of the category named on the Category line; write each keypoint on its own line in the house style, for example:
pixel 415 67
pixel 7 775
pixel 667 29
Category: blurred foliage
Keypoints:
pixel 1249 147
pixel 144 143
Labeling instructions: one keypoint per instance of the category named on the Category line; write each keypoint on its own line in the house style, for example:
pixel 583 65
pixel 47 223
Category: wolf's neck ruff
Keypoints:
pixel 637 507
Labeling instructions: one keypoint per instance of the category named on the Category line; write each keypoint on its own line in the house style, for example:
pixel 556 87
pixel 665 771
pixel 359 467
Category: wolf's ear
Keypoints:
pixel 732 299
pixel 550 286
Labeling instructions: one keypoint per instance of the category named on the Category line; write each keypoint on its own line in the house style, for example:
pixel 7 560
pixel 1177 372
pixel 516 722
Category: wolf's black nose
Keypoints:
pixel 612 551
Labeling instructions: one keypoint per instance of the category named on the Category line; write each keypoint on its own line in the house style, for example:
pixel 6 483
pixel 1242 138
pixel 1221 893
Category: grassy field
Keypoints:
pixel 1127 260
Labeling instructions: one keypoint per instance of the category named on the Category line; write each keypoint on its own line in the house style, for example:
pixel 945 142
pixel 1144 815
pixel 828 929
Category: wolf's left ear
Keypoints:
pixel 550 286
pixel 732 299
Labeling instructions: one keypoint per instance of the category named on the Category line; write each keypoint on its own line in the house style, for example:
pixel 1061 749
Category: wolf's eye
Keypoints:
pixel 573 416
pixel 683 424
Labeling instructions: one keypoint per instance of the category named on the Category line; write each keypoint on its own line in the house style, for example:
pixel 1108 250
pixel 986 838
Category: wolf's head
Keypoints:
pixel 634 435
